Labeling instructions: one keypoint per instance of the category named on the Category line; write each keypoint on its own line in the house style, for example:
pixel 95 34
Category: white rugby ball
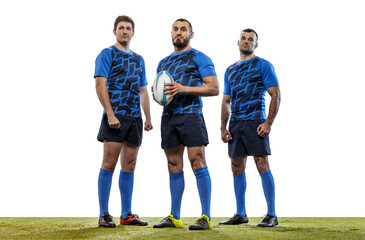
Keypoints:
pixel 159 95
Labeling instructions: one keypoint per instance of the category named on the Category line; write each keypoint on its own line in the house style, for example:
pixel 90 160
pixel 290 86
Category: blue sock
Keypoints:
pixel 126 180
pixel 239 182
pixel 204 187
pixel 269 190
pixel 104 185
pixel 177 186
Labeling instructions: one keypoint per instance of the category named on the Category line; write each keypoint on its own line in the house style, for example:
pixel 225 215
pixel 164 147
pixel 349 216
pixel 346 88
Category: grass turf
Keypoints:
pixel 86 228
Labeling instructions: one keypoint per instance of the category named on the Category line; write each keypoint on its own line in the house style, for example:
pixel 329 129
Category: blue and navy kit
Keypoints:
pixel 187 68
pixel 246 82
pixel 126 75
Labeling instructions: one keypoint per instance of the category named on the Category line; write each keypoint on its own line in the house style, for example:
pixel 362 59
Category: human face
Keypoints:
pixel 247 43
pixel 181 34
pixel 124 33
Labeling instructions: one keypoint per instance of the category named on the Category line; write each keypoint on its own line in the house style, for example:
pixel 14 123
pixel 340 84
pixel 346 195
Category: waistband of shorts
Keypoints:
pixel 181 115
pixel 124 116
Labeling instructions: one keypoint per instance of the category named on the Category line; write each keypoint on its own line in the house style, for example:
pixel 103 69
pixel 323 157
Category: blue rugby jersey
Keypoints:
pixel 126 74
pixel 187 68
pixel 246 82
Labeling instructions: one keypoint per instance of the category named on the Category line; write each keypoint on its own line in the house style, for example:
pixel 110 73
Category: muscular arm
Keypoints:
pixel 209 88
pixel 274 103
pixel 264 129
pixel 102 92
pixel 145 103
pixel 225 112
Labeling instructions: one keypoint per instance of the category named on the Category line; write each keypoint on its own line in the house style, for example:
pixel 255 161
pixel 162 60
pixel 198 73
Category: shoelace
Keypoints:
pixel 166 219
pixel 108 218
pixel 236 216
pixel 135 216
pixel 265 216
pixel 201 221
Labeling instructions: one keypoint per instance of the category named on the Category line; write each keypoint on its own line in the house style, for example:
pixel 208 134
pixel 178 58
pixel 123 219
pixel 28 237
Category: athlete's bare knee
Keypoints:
pixel 197 161
pixel 175 166
pixel 262 164
pixel 129 165
pixel 237 169
pixel 128 157
pixel 238 165
pixel 196 157
pixel 108 165
pixel 110 155
pixel 175 158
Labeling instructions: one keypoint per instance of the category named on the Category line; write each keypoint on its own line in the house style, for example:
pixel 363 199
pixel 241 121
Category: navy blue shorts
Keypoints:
pixel 246 141
pixel 186 129
pixel 130 130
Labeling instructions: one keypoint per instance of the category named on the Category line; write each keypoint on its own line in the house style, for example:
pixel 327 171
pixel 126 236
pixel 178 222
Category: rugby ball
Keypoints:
pixel 159 95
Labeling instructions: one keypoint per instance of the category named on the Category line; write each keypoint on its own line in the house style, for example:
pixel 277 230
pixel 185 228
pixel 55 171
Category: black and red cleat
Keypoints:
pixel 133 219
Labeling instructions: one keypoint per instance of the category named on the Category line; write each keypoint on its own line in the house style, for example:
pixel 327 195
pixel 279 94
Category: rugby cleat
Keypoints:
pixel 106 220
pixel 169 221
pixel 133 219
pixel 269 221
pixel 202 223
pixel 235 220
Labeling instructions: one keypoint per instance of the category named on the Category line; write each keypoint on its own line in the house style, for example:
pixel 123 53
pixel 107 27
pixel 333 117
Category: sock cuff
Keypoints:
pixel 106 173
pixel 126 175
pixel 174 176
pixel 265 174
pixel 201 172
pixel 240 176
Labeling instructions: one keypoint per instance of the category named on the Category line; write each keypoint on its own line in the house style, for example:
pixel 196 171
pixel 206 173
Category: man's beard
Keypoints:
pixel 247 52
pixel 181 44
pixel 123 43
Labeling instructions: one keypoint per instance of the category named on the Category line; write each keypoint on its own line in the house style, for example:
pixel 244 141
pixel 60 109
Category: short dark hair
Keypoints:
pixel 123 18
pixel 184 20
pixel 248 30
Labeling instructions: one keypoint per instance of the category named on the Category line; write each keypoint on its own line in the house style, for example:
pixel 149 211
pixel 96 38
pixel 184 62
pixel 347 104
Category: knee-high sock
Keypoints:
pixel 269 190
pixel 177 186
pixel 204 187
pixel 104 185
pixel 239 183
pixel 126 180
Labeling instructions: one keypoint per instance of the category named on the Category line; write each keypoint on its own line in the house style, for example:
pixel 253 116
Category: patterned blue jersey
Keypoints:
pixel 246 82
pixel 126 74
pixel 187 68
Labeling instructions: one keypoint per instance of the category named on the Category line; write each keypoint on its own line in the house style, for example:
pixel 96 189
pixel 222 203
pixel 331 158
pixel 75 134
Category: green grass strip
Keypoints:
pixel 86 228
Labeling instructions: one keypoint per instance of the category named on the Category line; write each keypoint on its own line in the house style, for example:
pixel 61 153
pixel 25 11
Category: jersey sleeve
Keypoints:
pixel 227 88
pixel 103 64
pixel 205 66
pixel 269 77
pixel 143 77
pixel 158 68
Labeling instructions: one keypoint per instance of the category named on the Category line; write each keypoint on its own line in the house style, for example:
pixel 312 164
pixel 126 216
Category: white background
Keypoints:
pixel 50 115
